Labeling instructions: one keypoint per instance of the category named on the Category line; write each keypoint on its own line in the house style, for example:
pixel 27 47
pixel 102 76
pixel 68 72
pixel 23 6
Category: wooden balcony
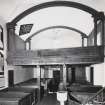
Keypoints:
pixel 79 55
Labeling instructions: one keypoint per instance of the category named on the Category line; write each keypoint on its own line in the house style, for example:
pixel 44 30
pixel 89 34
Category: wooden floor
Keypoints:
pixel 73 99
pixel 49 99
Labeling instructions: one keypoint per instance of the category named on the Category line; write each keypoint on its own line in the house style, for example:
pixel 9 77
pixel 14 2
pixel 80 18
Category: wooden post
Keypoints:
pixel 102 37
pixel 95 32
pixel 29 44
pixel 102 18
pixel 11 37
pixel 39 80
pixel 64 74
pixel 92 75
pixel 61 73
pixel 82 41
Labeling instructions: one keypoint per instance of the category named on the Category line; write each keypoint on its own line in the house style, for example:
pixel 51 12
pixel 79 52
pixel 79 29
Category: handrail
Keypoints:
pixel 91 98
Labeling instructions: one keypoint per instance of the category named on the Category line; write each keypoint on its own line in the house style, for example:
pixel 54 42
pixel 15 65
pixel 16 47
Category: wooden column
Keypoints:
pixel 39 80
pixel 82 41
pixel 64 74
pixel 11 37
pixel 29 44
pixel 95 32
pixel 103 32
pixel 61 73
pixel 88 73
pixel 92 75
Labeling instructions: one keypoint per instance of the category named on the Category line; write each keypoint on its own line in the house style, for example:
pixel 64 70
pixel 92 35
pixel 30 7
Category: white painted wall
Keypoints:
pixel 48 74
pixel 2 82
pixel 21 74
pixel 99 74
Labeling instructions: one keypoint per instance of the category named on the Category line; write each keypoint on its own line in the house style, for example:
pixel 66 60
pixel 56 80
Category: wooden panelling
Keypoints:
pixel 79 55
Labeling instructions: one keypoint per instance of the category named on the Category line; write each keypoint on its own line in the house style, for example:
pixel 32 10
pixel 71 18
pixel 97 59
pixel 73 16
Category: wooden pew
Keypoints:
pixel 14 98
pixel 23 90
pixel 10 101
pixel 84 88
pixel 82 96
pixel 30 86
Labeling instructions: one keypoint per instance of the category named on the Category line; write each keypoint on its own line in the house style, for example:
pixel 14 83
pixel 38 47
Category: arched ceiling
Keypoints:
pixel 52 16
pixel 57 38
pixel 15 7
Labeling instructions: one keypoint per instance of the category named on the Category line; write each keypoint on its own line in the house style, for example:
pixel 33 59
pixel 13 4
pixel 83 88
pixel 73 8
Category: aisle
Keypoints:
pixel 50 99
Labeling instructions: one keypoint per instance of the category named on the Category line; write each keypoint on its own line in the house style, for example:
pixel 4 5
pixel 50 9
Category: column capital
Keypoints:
pixel 100 16
pixel 11 26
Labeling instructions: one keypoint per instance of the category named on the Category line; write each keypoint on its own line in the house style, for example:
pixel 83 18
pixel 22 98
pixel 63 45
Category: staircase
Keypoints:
pixel 97 99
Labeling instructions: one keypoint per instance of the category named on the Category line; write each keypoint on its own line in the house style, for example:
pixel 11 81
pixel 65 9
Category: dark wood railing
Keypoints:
pixel 97 99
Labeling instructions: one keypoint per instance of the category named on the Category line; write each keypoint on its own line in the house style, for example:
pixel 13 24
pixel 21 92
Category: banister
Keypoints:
pixel 91 98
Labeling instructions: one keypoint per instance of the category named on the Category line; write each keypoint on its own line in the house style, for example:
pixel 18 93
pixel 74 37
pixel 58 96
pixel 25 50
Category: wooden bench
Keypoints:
pixel 31 86
pixel 14 98
pixel 23 90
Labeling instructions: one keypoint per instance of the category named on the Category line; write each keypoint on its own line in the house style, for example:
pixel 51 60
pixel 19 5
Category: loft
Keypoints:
pixel 85 55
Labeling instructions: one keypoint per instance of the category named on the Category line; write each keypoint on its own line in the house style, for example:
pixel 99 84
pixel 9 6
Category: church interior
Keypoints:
pixel 52 52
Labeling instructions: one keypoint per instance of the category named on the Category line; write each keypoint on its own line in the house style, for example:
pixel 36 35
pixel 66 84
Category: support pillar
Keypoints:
pixel 88 74
pixel 39 80
pixel 95 32
pixel 8 45
pixel 82 41
pixel 64 75
pixel 11 37
pixel 103 32
pixel 29 44
pixel 92 75
pixel 61 73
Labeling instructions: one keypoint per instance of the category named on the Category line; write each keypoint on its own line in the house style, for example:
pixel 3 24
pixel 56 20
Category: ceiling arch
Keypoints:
pixel 90 10
pixel 54 27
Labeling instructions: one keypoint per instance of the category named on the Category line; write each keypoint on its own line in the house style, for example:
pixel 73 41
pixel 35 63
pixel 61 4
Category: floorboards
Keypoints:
pixel 49 99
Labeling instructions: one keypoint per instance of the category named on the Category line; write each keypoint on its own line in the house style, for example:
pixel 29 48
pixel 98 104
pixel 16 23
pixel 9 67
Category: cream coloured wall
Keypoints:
pixel 49 73
pixel 21 73
pixel 2 83
pixel 99 78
